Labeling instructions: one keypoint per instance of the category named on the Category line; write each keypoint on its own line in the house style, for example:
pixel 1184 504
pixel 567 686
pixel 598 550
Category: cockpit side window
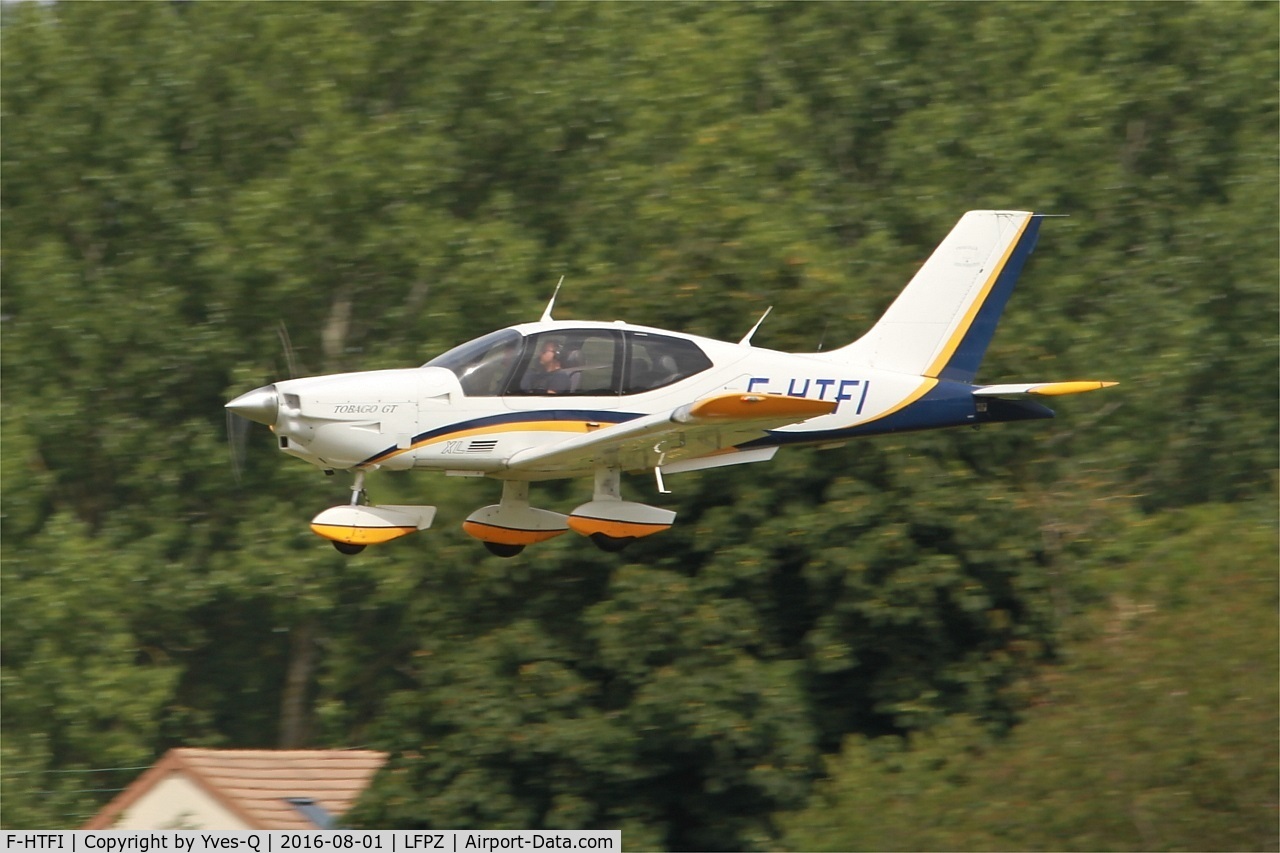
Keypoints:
pixel 655 361
pixel 583 362
pixel 484 364
pixel 578 362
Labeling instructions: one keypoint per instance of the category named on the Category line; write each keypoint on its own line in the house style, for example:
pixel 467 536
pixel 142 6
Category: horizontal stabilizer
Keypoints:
pixel 1041 389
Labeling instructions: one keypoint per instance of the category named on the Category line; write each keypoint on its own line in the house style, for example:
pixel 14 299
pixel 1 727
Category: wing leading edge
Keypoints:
pixel 704 427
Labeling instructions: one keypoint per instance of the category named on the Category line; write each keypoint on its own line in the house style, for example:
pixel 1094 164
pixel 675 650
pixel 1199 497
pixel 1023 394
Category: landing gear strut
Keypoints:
pixel 358 497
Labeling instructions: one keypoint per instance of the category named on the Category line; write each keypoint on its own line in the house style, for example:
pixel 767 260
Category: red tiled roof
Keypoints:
pixel 255 784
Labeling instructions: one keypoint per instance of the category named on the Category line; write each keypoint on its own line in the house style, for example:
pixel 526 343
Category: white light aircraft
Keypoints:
pixel 557 399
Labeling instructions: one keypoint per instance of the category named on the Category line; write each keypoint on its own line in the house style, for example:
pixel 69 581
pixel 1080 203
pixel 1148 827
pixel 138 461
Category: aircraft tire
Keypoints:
pixel 347 548
pixel 500 550
pixel 611 544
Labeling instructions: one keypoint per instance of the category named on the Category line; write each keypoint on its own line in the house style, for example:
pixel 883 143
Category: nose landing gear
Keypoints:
pixel 354 526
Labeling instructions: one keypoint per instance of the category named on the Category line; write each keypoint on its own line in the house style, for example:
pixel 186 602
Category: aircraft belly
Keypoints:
pixel 637 455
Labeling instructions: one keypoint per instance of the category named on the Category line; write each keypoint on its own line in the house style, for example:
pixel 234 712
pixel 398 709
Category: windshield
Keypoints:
pixel 482 365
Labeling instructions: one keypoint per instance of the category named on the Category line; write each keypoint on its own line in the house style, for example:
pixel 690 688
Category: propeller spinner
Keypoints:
pixel 261 405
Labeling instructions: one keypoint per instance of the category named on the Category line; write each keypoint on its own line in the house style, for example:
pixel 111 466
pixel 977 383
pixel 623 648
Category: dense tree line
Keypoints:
pixel 182 181
pixel 1157 731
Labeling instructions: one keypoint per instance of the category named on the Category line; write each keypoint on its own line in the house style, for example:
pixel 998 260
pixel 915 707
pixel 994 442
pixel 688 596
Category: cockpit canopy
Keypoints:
pixel 583 362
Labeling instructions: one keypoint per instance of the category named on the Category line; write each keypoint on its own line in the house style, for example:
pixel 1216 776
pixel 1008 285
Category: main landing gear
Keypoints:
pixel 510 525
pixel 611 523
pixel 600 520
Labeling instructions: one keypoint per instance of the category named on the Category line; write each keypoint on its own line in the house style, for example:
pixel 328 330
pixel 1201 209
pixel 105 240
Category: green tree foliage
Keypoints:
pixel 185 182
pixel 1159 732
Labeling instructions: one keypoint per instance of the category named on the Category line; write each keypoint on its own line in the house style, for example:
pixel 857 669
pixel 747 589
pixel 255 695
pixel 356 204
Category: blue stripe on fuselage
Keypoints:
pixel 512 418
pixel 947 404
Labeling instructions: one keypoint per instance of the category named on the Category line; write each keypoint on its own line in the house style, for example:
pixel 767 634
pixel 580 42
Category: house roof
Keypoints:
pixel 257 784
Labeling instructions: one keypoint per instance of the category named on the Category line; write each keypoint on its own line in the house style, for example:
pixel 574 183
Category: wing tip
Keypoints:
pixel 1058 389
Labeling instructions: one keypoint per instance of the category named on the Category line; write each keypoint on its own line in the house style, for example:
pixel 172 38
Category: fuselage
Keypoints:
pixel 468 411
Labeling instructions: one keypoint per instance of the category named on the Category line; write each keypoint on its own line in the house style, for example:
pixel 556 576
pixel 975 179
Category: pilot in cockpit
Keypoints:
pixel 547 376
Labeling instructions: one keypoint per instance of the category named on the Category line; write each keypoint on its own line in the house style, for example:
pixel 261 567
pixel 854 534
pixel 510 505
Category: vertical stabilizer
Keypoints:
pixel 941 324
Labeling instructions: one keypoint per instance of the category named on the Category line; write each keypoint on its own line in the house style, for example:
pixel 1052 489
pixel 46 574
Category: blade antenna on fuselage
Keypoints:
pixel 746 339
pixel 546 315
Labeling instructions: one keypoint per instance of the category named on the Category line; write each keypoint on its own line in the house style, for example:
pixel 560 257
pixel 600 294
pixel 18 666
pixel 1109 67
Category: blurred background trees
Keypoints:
pixel 387 180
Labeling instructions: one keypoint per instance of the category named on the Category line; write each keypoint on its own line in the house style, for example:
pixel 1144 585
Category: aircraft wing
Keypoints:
pixel 705 427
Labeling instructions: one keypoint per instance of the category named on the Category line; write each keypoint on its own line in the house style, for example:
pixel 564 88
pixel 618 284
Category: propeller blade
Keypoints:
pixel 237 435
pixel 282 331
